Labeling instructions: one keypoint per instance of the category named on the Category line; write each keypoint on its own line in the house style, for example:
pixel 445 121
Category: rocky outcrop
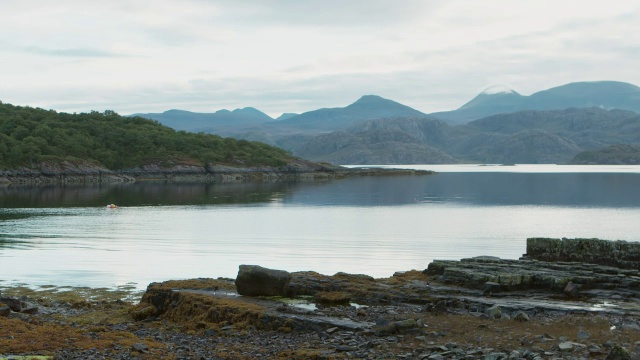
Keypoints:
pixel 254 280
pixel 63 172
pixel 300 170
pixel 621 254
pixel 493 275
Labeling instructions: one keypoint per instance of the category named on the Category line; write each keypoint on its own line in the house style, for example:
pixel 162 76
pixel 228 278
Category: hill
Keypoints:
pixel 521 137
pixel 209 122
pixel 620 154
pixel 366 108
pixel 30 136
pixel 387 141
pixel 603 94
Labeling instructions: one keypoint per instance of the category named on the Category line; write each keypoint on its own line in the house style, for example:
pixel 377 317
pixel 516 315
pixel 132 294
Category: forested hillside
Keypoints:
pixel 619 154
pixel 29 136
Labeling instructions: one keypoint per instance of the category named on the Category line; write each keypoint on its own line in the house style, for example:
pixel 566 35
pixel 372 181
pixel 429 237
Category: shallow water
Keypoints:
pixel 376 226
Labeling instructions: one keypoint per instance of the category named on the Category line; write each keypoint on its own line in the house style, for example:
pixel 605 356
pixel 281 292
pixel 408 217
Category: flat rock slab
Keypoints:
pixel 278 310
pixel 529 284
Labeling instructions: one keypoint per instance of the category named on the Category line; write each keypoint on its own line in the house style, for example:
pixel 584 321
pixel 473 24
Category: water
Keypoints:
pixel 376 226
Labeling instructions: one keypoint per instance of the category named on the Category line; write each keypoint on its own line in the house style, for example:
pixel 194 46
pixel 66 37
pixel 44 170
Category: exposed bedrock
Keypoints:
pixel 619 253
pixel 550 264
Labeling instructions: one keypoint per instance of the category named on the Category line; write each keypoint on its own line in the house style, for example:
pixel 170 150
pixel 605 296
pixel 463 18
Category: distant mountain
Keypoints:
pixel 543 136
pixel 386 141
pixel 522 137
pixel 620 154
pixel 590 128
pixel 602 94
pixel 285 116
pixel 367 107
pixel 205 122
pixel 497 126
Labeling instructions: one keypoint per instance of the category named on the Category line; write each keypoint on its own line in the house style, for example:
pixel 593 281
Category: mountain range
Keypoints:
pixel 602 94
pixel 497 126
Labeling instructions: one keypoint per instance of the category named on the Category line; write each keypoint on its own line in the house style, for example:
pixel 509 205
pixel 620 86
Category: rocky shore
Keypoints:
pixel 550 304
pixel 66 172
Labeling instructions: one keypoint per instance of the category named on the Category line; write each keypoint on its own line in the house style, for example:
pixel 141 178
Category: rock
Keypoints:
pixel 583 334
pixel 495 356
pixel 521 316
pixel 331 330
pixel 565 346
pixel 344 348
pixel 491 287
pixel 140 347
pixel 618 353
pixel 494 312
pixel 619 253
pixel 144 313
pixel 254 280
pixel 405 326
pixel 30 310
pixel 594 349
pixel 332 297
pixel 14 304
pixel 5 311
pixel 571 290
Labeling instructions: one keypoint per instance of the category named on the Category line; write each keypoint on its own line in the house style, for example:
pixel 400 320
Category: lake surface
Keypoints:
pixel 64 235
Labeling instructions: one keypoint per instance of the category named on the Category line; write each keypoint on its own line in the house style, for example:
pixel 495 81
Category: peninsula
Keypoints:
pixel 40 146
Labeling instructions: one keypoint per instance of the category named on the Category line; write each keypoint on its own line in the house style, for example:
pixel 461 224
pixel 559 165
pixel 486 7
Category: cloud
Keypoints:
pixel 294 56
pixel 70 52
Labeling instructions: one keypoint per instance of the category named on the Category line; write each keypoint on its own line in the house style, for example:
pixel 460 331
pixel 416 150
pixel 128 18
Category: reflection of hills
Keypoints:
pixel 554 189
pixel 563 189
pixel 140 194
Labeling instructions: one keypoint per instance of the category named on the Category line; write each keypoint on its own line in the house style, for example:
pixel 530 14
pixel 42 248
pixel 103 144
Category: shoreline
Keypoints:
pixel 193 174
pixel 564 299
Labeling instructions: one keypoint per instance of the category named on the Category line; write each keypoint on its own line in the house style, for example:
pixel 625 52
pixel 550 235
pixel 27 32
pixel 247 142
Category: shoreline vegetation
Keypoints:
pixel 564 299
pixel 46 147
pixel 69 173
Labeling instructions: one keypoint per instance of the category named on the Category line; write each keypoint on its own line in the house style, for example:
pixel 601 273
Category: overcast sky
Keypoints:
pixel 295 55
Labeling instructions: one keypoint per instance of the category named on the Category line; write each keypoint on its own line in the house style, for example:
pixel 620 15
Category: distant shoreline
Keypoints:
pixel 185 174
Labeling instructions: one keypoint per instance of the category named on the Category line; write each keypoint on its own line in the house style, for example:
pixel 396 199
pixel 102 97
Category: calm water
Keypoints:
pixel 376 226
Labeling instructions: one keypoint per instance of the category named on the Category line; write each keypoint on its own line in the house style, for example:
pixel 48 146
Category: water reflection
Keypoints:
pixel 139 194
pixel 479 188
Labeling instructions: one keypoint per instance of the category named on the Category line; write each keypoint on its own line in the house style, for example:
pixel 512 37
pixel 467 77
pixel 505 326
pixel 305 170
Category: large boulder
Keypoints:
pixel 254 280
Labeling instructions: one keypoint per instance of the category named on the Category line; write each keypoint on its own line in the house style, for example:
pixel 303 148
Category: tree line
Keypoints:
pixel 29 136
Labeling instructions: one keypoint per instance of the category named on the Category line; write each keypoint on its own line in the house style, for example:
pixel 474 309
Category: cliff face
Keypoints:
pixel 62 172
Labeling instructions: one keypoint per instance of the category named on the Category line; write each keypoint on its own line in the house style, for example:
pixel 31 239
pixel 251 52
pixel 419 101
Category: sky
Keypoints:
pixel 137 56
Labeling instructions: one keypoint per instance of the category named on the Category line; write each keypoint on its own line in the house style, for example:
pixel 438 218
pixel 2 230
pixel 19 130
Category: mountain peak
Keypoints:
pixel 498 89
pixel 370 98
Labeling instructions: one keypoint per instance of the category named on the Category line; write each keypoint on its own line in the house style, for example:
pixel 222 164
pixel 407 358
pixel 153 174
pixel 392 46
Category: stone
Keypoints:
pixel 332 297
pixel 621 254
pixel 521 316
pixel 491 287
pixel 140 347
pixel 407 325
pixel 583 334
pixel 144 313
pixel 331 330
pixel 495 356
pixel 14 304
pixel 494 312
pixel 565 346
pixel 571 290
pixel 5 311
pixel 254 280
pixel 618 353
pixel 30 310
